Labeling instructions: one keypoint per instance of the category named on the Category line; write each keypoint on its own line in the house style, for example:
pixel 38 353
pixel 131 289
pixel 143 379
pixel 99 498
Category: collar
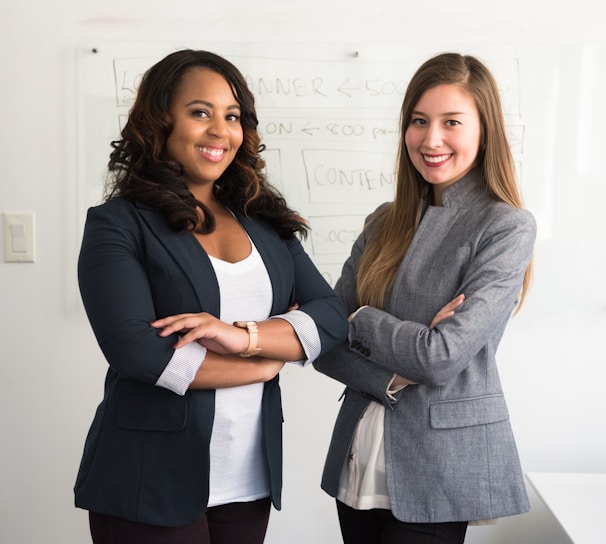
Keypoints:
pixel 465 191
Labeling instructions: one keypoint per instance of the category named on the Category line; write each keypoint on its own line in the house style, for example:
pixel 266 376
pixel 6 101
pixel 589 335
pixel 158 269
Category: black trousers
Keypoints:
pixel 381 527
pixel 233 523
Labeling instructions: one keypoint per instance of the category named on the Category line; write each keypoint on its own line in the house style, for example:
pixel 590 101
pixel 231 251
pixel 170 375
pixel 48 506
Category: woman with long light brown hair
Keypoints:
pixel 423 444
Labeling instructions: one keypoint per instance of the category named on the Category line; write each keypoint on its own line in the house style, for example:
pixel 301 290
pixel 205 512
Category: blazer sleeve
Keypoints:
pixel 117 296
pixel 491 285
pixel 317 299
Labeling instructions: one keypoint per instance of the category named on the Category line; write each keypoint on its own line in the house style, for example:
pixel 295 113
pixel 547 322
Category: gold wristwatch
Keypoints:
pixel 253 337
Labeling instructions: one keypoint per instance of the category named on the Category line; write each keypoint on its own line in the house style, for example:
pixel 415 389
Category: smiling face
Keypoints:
pixel 206 133
pixel 443 136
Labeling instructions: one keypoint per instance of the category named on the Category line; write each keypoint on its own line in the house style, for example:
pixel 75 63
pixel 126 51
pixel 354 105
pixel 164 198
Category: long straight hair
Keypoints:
pixel 394 227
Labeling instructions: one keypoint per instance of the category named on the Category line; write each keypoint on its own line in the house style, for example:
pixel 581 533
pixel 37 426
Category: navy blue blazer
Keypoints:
pixel 146 456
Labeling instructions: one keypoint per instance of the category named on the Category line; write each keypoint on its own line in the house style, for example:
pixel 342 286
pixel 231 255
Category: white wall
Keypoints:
pixel 51 370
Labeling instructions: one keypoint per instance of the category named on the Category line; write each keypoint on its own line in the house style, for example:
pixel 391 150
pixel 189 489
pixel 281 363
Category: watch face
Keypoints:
pixel 240 324
pixel 245 324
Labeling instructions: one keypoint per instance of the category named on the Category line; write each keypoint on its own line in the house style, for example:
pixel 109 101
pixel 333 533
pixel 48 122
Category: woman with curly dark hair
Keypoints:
pixel 198 290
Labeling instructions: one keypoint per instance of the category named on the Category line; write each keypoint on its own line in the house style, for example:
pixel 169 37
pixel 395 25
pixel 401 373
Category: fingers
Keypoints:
pixel 170 320
pixel 184 324
pixel 207 330
pixel 192 335
pixel 448 310
pixel 454 303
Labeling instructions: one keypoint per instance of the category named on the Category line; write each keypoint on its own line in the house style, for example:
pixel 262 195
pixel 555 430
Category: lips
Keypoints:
pixel 214 154
pixel 436 160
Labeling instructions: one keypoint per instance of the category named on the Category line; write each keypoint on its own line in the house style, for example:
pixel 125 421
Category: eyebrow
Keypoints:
pixel 210 104
pixel 446 113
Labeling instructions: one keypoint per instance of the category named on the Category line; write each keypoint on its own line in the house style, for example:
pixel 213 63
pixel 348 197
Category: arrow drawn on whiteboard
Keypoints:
pixel 309 130
pixel 344 90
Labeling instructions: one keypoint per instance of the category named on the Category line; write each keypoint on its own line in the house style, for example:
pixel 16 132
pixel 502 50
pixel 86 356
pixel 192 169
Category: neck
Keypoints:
pixel 435 196
pixel 205 194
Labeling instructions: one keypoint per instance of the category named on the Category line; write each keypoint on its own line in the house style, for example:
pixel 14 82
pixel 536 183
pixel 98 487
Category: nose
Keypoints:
pixel 433 136
pixel 218 127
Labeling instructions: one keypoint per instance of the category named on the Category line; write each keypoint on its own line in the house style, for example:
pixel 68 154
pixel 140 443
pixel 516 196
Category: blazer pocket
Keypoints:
pixel 450 414
pixel 145 412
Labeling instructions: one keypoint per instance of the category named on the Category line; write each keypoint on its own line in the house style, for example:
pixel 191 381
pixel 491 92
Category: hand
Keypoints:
pixel 399 380
pixel 207 330
pixel 447 311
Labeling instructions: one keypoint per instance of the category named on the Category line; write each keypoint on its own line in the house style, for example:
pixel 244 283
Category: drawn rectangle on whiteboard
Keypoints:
pixel 340 176
pixel 334 236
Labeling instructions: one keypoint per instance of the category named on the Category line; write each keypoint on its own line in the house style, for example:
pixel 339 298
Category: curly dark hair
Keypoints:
pixel 141 171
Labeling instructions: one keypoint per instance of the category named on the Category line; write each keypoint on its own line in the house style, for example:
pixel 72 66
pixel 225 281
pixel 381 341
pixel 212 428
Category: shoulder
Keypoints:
pixel 114 207
pixel 500 226
pixel 125 213
pixel 485 210
pixel 115 219
pixel 378 212
pixel 502 214
pixel 373 220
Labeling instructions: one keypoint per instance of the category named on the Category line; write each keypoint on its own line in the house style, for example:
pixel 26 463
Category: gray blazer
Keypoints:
pixel 449 450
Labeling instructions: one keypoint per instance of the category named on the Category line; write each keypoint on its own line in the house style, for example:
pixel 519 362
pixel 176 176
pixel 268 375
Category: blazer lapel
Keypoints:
pixel 189 256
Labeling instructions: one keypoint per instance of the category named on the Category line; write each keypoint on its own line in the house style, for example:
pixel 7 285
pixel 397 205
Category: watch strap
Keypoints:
pixel 253 337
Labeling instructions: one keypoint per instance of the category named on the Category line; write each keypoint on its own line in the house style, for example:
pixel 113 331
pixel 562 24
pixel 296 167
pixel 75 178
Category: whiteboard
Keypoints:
pixel 329 117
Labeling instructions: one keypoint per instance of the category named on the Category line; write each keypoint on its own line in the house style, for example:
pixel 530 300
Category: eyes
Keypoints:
pixel 199 113
pixel 422 122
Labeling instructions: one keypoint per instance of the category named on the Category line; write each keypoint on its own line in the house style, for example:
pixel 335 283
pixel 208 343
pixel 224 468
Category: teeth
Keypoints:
pixel 436 159
pixel 211 152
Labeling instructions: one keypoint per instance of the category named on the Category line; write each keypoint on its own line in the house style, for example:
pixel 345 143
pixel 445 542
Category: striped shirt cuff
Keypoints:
pixel 307 332
pixel 391 390
pixel 182 367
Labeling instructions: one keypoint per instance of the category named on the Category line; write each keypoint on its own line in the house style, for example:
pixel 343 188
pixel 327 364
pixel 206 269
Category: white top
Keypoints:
pixel 237 465
pixel 363 483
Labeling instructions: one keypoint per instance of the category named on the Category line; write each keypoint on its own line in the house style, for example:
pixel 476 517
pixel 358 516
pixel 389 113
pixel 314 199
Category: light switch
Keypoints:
pixel 19 237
